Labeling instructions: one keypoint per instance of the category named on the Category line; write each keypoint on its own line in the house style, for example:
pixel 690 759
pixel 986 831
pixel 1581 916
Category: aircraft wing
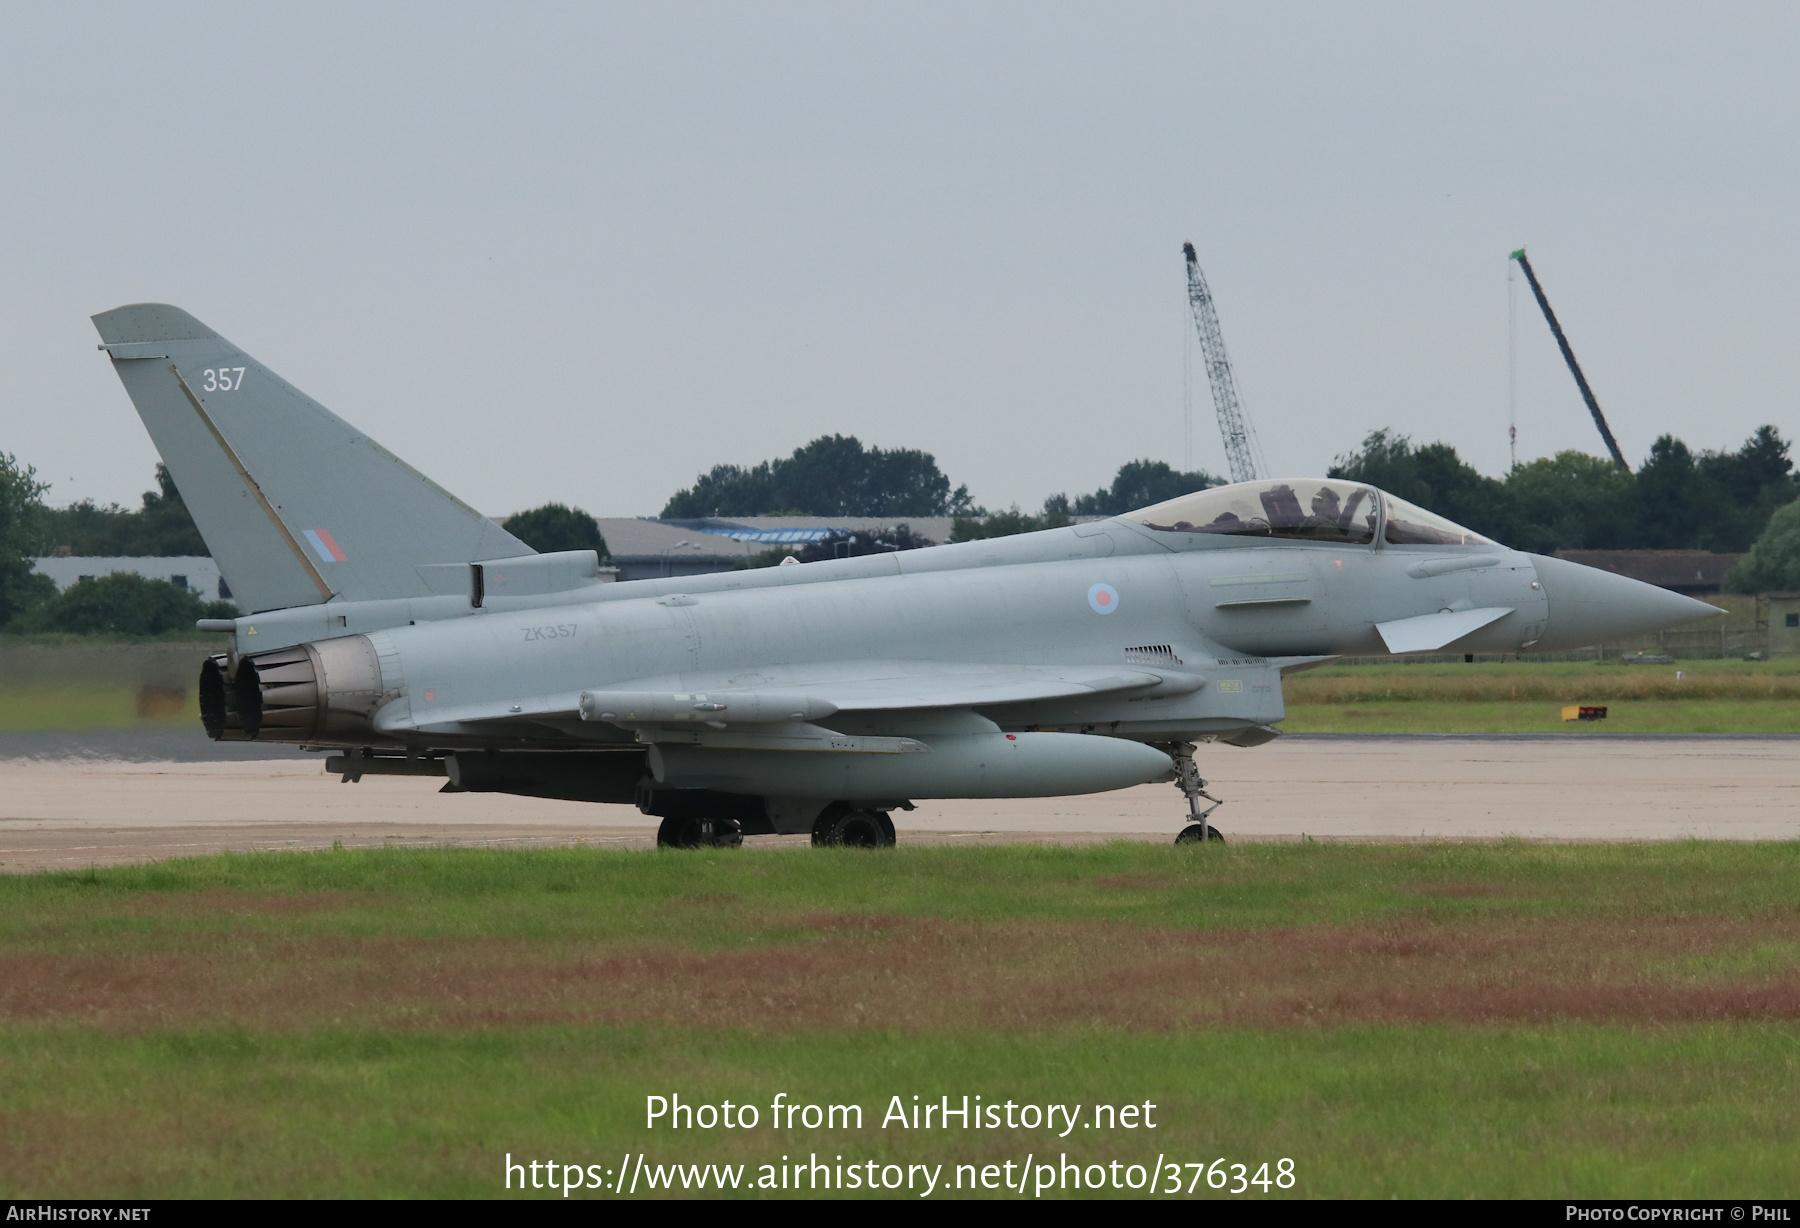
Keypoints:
pixel 810 695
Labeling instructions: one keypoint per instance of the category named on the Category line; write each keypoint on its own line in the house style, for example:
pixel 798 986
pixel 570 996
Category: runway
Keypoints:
pixel 76 812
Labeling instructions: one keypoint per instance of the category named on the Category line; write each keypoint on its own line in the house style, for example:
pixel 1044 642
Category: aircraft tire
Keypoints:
pixel 684 832
pixel 862 829
pixel 1196 833
pixel 826 824
pixel 727 834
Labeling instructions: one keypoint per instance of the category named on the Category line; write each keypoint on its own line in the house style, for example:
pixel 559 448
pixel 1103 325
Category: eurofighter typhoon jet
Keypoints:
pixel 392 623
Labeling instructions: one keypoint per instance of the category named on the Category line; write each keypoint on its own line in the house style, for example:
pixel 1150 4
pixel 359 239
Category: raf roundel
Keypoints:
pixel 1104 598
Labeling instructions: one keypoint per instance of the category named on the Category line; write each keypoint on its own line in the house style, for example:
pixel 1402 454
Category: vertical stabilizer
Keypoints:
pixel 296 505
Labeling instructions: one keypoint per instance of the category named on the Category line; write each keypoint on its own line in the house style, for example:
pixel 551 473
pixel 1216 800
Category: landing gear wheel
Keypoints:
pixel 685 831
pixel 859 829
pixel 694 832
pixel 1187 779
pixel 863 829
pixel 1200 833
pixel 826 824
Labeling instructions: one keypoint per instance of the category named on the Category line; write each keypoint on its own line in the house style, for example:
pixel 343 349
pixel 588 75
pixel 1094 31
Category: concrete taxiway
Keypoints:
pixel 70 812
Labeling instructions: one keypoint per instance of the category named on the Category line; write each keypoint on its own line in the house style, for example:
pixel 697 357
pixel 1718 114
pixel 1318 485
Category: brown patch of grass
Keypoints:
pixel 905 973
pixel 853 922
pixel 161 702
pixel 1459 891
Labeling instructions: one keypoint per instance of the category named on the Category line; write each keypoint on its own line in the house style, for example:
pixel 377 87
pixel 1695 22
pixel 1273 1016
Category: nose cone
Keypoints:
pixel 1589 606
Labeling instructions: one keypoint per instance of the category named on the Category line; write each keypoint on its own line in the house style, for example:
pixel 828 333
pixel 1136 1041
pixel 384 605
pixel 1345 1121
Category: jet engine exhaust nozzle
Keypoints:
pixel 325 691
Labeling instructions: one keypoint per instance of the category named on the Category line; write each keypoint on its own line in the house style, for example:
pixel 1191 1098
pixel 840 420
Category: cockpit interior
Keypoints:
pixel 1306 509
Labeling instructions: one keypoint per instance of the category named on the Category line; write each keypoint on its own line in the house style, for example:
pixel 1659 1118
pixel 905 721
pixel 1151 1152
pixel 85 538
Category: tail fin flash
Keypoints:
pixel 296 504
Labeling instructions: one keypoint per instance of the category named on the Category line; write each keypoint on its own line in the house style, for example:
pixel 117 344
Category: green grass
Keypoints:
pixel 1564 1112
pixel 38 706
pixel 83 682
pixel 1554 680
pixel 1431 1020
pixel 598 894
pixel 1640 716
pixel 1725 696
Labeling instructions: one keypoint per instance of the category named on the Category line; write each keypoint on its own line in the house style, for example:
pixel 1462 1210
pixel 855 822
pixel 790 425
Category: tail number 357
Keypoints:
pixel 222 379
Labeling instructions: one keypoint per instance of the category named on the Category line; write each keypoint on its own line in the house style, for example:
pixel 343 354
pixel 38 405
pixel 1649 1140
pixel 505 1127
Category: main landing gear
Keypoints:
pixel 839 825
pixel 690 831
pixel 842 827
pixel 1187 779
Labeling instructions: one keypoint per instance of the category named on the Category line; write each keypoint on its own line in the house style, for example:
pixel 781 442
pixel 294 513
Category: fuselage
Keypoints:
pixel 1233 611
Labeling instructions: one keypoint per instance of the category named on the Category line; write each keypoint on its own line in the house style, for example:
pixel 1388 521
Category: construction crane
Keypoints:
pixel 1587 394
pixel 1242 452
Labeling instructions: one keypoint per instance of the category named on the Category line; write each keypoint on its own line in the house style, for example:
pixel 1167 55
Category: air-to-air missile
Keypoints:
pixel 395 625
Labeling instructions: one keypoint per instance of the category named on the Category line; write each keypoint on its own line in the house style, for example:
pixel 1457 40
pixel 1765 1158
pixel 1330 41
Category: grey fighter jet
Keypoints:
pixel 392 623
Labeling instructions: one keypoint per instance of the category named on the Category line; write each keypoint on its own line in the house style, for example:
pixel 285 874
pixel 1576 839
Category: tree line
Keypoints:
pixel 834 475
pixel 1676 500
pixel 121 603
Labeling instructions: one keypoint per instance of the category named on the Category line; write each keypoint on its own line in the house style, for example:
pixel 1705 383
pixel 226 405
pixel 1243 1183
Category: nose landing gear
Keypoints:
pixel 1187 779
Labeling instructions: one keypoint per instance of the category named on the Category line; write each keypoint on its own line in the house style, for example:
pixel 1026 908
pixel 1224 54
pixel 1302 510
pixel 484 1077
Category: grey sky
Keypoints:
pixel 582 253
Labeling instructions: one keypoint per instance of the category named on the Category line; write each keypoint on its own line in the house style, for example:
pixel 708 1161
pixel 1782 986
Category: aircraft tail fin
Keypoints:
pixel 296 505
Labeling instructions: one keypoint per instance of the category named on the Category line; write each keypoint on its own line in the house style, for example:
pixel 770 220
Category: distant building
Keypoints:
pixel 197 573
pixel 645 549
pixel 1784 622
pixel 1697 573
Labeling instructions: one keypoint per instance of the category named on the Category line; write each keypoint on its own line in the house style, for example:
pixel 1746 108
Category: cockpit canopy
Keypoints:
pixel 1410 525
pixel 1309 509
